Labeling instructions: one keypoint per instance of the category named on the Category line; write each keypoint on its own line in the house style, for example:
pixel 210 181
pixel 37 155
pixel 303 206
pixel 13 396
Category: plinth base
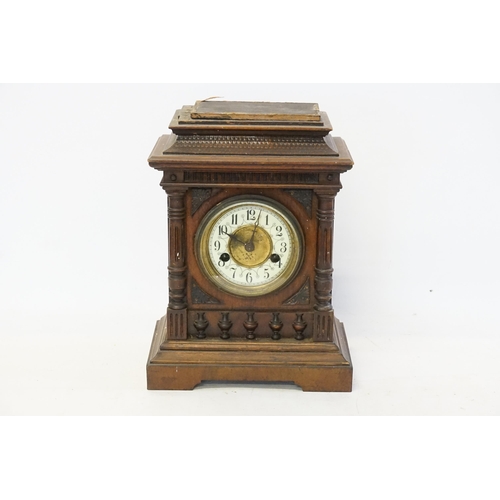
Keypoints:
pixel 313 366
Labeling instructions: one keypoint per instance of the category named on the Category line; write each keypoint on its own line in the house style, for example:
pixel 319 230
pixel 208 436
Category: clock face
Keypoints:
pixel 249 246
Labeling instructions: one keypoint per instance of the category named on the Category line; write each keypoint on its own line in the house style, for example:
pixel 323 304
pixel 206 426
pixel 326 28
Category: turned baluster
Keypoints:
pixel 201 324
pixel 225 325
pixel 299 325
pixel 276 325
pixel 250 325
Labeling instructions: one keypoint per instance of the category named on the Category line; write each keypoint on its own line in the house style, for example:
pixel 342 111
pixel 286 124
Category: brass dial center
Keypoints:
pixel 251 246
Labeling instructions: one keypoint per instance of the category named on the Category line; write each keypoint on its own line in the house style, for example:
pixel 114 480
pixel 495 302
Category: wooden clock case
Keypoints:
pixel 283 152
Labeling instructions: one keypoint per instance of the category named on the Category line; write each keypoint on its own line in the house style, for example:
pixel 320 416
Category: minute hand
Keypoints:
pixel 249 246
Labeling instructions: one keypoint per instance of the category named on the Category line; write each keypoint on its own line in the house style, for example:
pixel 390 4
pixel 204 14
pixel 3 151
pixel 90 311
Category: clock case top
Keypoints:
pixel 272 138
pixel 282 151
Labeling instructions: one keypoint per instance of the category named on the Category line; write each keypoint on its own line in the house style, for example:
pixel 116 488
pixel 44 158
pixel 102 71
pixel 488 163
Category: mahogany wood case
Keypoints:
pixel 282 155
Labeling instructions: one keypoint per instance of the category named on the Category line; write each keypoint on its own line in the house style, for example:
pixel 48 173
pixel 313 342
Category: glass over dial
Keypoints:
pixel 249 245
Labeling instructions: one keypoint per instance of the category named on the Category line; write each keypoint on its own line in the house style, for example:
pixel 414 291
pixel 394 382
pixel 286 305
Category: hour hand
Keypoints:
pixel 233 237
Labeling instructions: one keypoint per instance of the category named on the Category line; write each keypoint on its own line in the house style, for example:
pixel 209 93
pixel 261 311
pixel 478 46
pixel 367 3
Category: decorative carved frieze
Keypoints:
pixel 250 177
pixel 255 145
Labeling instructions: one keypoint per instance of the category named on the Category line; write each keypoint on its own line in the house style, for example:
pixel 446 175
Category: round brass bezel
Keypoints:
pixel 210 270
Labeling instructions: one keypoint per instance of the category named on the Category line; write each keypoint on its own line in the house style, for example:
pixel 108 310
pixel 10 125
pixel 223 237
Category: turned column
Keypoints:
pixel 177 305
pixel 323 278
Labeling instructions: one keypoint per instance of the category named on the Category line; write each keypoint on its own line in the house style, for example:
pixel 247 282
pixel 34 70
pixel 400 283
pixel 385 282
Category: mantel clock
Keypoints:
pixel 251 189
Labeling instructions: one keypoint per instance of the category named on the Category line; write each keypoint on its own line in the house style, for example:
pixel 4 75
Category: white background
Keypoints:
pixel 83 254
pixel 83 250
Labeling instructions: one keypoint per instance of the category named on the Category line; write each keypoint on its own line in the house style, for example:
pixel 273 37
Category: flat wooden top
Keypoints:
pixel 262 111
pixel 265 120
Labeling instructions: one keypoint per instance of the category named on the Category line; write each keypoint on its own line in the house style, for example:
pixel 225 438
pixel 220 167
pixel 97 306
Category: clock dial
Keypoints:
pixel 249 246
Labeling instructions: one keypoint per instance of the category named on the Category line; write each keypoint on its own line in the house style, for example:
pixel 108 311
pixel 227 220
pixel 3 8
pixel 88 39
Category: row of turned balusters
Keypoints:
pixel 250 325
